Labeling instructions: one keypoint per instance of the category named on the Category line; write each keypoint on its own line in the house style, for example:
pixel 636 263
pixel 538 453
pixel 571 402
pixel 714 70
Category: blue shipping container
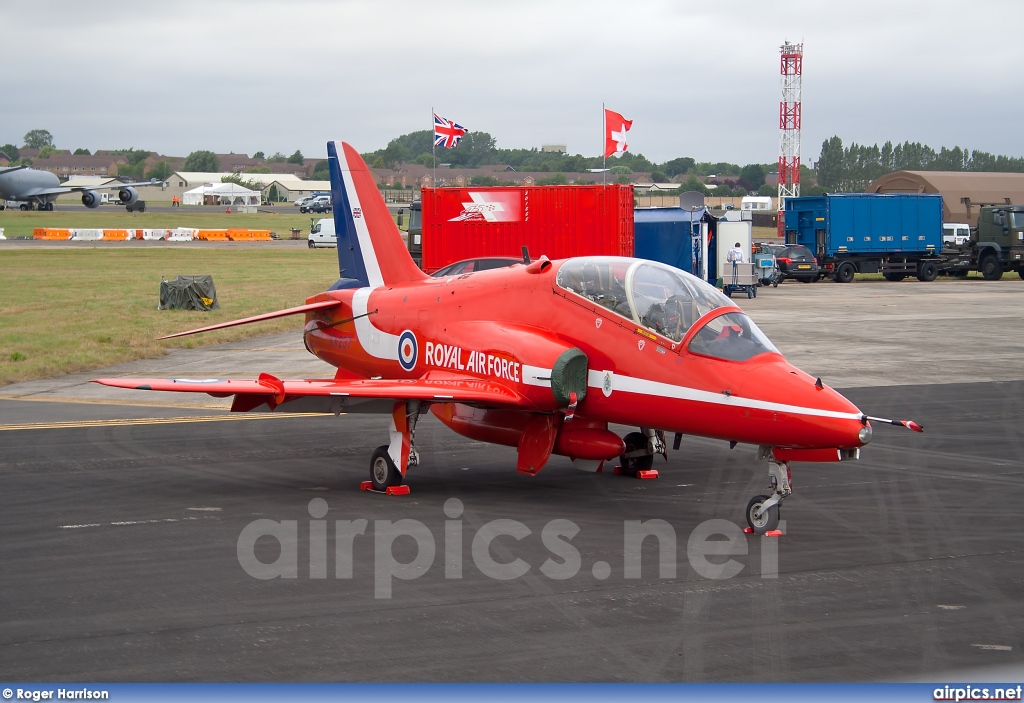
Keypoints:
pixel 670 235
pixel 866 224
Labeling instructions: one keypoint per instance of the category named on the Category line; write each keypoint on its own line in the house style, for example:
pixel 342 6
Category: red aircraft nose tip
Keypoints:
pixel 810 414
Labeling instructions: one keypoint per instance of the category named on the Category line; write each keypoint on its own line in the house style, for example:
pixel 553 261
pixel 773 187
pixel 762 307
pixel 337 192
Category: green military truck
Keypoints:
pixel 997 245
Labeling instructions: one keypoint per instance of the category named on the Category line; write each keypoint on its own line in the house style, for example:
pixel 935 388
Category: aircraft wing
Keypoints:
pixel 63 190
pixel 110 186
pixel 268 393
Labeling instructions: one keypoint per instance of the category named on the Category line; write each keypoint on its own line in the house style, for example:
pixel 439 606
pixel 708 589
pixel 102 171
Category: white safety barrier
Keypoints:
pixel 156 234
pixel 182 234
pixel 86 235
pixel 2 233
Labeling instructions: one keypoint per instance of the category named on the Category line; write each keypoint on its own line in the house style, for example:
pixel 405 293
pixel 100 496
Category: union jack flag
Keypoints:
pixel 447 133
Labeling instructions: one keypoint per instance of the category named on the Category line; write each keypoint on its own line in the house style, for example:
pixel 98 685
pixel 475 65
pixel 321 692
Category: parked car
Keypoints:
pixel 483 263
pixel 308 198
pixel 321 203
pixel 795 261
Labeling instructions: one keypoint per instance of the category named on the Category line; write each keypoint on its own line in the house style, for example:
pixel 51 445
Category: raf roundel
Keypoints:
pixel 408 350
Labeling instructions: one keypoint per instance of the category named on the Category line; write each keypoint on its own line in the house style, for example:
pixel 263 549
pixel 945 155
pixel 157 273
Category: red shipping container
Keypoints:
pixel 553 221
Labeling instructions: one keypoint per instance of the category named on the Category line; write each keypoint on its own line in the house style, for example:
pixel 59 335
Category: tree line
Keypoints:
pixel 839 169
pixel 853 168
pixel 478 149
pixel 201 160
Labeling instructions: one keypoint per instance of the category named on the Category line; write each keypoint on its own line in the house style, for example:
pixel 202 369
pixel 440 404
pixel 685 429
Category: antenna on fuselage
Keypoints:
pixel 526 255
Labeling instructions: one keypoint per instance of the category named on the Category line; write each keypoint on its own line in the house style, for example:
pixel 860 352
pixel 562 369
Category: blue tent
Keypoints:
pixel 670 235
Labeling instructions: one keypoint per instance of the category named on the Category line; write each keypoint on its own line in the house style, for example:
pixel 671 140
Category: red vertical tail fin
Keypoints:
pixel 370 247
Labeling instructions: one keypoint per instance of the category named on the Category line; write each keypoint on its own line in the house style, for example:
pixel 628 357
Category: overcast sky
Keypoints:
pixel 699 79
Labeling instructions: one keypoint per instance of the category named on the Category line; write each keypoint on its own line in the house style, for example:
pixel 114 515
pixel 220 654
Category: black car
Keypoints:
pixel 321 204
pixel 795 261
pixel 483 263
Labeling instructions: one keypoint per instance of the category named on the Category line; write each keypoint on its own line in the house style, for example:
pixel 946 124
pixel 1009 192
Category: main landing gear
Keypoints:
pixel 641 447
pixel 390 461
pixel 763 510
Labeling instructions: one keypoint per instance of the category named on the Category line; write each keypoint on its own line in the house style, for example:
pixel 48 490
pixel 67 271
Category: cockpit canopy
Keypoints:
pixel 665 300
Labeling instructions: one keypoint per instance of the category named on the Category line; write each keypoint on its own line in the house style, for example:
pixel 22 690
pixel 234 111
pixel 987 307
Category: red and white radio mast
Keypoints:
pixel 789 126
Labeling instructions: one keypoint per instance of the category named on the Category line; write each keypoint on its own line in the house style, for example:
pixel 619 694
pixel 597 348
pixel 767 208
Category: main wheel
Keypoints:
pixel 635 441
pixel 769 519
pixel 845 272
pixel 991 269
pixel 383 472
pixel 927 271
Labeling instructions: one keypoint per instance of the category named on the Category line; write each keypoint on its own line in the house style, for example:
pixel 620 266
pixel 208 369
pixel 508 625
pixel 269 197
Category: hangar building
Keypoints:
pixel 962 192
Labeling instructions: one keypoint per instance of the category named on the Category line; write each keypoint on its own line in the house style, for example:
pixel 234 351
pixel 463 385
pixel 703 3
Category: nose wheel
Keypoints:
pixel 763 510
pixel 762 519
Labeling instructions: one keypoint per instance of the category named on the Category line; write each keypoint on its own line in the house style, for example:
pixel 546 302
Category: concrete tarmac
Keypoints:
pixel 125 514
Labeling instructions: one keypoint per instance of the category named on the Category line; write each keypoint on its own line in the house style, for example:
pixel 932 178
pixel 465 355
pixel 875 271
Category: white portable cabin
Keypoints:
pixel 756 203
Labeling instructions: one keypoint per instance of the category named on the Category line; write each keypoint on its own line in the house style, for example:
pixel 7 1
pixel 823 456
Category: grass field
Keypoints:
pixel 764 234
pixel 65 310
pixel 20 224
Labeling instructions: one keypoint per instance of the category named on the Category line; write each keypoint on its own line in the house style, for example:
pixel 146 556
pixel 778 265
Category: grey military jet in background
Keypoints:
pixel 37 190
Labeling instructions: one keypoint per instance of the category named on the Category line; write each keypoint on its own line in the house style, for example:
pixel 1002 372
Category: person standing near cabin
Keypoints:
pixel 735 255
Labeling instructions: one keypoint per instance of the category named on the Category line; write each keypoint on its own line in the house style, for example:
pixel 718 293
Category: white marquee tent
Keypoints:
pixel 222 193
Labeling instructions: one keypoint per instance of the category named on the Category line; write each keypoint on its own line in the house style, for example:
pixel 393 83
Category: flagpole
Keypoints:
pixel 604 149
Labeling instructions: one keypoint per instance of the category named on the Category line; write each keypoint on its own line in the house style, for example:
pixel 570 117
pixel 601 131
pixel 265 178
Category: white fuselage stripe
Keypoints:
pixel 373 273
pixel 536 376
pixel 642 386
pixel 374 342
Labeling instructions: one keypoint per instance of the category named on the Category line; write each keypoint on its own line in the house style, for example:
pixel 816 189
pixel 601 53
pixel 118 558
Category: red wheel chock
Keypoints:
pixel 390 490
pixel 769 533
pixel 650 473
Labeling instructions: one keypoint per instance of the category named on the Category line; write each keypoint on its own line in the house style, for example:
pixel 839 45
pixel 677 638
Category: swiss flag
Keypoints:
pixel 616 126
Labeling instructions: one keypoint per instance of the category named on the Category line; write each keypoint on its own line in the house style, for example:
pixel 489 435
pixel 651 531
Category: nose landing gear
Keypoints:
pixel 763 510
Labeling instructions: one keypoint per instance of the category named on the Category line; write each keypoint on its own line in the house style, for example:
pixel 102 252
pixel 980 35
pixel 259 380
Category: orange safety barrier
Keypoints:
pixel 50 233
pixel 249 235
pixel 116 235
pixel 212 235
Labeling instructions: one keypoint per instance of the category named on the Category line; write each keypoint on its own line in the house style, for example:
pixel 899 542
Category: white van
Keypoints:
pixel 955 233
pixel 756 203
pixel 322 234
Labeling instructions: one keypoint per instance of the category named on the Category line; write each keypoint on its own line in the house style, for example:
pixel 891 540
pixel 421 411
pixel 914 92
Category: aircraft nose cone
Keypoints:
pixel 811 413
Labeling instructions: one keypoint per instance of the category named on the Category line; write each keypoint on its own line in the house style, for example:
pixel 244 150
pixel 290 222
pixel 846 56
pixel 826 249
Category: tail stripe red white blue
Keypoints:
pixel 371 252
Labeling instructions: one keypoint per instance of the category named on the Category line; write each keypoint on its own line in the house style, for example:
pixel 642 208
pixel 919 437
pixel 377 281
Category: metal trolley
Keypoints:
pixel 739 278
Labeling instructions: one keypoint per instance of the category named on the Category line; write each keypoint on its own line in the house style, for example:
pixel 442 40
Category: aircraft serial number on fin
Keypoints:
pixel 448 356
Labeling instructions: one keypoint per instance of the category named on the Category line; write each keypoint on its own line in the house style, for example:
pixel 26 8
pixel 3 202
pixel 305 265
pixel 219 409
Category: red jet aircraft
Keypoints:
pixel 541 356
